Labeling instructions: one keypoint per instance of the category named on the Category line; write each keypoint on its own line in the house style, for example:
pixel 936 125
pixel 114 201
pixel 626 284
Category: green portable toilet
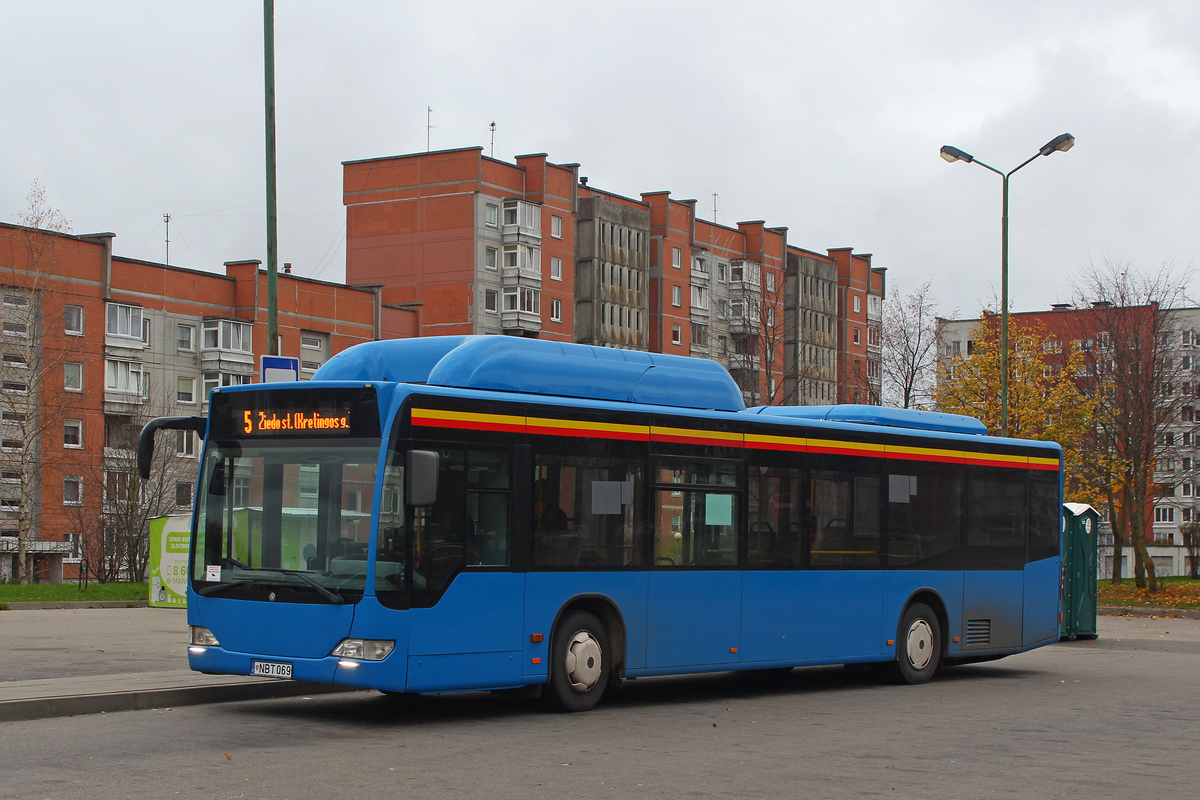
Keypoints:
pixel 1081 551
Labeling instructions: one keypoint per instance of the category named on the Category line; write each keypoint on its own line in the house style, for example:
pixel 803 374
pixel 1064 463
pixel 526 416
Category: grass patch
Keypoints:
pixel 57 592
pixel 1172 593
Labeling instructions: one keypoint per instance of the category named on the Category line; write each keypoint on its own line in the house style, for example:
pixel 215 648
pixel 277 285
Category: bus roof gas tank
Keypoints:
pixel 537 366
pixel 878 415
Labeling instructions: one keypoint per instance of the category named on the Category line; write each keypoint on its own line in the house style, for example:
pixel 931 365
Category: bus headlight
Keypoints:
pixel 364 649
pixel 203 637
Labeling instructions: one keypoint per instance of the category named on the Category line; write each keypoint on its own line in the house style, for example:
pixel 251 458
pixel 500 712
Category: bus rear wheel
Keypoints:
pixel 580 663
pixel 918 645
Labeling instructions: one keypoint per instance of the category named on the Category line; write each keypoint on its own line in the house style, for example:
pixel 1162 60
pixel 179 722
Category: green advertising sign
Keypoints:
pixel 169 540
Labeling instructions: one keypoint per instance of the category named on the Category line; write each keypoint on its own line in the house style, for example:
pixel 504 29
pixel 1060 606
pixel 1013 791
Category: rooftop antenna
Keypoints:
pixel 714 206
pixel 167 220
pixel 493 128
pixel 428 125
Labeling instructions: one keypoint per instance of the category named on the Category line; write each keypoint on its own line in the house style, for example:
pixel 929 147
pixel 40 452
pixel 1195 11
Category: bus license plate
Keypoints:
pixel 272 669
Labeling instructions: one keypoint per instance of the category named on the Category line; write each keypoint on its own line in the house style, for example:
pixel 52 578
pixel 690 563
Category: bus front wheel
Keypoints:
pixel 580 663
pixel 918 645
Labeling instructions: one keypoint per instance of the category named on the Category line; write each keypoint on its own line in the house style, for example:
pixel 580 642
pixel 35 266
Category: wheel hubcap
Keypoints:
pixel 583 661
pixel 920 644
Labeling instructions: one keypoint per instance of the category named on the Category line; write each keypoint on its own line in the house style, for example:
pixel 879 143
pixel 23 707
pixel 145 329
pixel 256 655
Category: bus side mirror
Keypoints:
pixel 421 478
pixel 145 449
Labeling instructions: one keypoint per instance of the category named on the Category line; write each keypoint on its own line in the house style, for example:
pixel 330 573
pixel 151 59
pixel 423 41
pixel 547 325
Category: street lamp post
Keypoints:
pixel 1061 143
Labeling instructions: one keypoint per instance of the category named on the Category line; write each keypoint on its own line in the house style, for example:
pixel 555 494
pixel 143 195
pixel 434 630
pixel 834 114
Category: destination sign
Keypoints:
pixel 311 421
pixel 294 412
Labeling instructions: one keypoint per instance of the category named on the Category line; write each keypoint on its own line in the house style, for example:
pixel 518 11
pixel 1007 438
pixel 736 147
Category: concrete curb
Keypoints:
pixel 32 606
pixel 142 699
pixel 1141 611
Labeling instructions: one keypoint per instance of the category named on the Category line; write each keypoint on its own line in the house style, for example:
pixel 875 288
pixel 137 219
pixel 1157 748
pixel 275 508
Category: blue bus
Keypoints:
pixel 463 513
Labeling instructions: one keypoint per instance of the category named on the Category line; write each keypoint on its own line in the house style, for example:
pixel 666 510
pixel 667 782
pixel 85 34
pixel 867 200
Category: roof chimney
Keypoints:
pixel 1059 306
pixel 287 268
pixel 583 180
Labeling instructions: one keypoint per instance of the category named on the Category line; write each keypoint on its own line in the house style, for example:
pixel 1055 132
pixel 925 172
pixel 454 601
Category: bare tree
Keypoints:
pixel 36 427
pixel 115 522
pixel 910 348
pixel 1134 372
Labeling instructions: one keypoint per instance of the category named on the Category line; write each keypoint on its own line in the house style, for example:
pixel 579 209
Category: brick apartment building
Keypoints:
pixel 1178 497
pixel 93 345
pixel 482 246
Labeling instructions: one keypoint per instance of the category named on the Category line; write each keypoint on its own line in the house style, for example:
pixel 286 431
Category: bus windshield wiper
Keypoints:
pixel 333 597
pixel 220 587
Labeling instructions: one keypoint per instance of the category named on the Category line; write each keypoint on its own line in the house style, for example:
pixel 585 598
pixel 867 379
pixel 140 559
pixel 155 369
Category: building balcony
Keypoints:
pixel 523 321
pixel 744 361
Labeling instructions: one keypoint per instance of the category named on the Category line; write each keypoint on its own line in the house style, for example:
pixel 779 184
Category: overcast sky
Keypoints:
pixel 822 117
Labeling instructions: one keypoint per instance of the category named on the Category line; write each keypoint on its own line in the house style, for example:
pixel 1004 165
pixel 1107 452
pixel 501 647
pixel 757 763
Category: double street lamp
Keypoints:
pixel 1060 143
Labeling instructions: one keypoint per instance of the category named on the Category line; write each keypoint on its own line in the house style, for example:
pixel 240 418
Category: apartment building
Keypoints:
pixel 1069 329
pixel 530 248
pixel 94 345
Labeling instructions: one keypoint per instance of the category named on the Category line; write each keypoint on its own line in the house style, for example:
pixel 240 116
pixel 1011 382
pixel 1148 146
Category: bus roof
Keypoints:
pixel 538 366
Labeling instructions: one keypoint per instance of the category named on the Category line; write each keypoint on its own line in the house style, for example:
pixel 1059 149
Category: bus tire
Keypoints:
pixel 580 663
pixel 918 645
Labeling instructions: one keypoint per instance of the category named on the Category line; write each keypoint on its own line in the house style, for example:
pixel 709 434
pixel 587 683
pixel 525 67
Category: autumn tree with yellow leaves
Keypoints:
pixel 1045 402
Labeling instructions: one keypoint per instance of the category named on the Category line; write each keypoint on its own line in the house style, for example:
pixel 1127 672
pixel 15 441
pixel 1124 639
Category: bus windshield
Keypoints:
pixel 287 521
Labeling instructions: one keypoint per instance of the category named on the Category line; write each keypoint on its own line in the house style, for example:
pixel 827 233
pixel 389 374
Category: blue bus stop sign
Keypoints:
pixel 278 369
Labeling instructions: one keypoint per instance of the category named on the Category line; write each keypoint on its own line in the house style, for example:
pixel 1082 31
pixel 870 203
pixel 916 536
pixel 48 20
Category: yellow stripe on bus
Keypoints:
pixel 571 424
pixel 689 433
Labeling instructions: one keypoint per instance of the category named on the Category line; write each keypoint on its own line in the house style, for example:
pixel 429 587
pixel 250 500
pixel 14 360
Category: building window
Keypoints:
pixel 676 258
pixel 556 227
pixel 73 320
pixel 18 330
pixel 11 445
pixel 510 256
pixel 677 295
pixel 15 387
pixel 223 334
pixel 73 376
pixel 10 477
pixel 183 495
pixel 491 215
pixel 722 272
pixel 699 335
pixel 556 310
pixel 214 379
pixel 510 213
pixel 556 268
pixel 13 418
pixel 125 321
pixel 770 281
pixel 531 300
pixel 701 266
pixel 676 334
pixel 185 444
pixel 72 490
pixel 737 309
pixel 11 505
pixel 310 342
pixel 510 299
pixel 185 337
pixel 119 486
pixel 16 361
pixel 15 301
pixel 700 297
pixel 185 390
pixel 857 304
pixel 126 377
pixel 1164 514
pixel 858 336
pixel 73 433
pixel 491 258
pixel 491 299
